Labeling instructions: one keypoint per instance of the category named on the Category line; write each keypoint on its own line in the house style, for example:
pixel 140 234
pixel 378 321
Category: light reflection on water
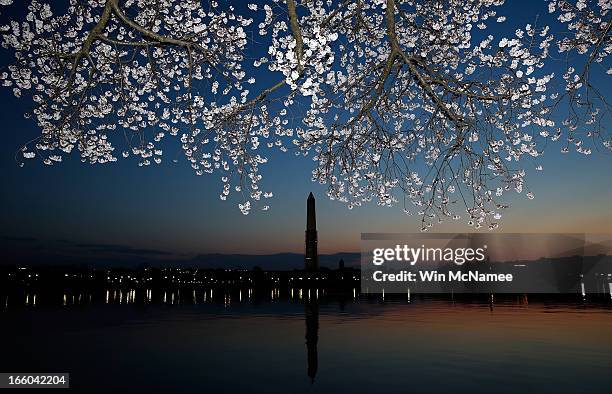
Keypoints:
pixel 238 342
pixel 172 297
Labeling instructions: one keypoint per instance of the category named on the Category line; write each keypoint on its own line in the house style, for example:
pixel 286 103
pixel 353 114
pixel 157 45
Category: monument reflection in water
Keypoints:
pixel 311 313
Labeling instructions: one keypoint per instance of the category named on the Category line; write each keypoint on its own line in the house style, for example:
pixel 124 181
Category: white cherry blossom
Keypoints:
pixel 394 101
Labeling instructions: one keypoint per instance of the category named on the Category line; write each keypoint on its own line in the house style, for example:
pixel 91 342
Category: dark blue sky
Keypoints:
pixel 167 207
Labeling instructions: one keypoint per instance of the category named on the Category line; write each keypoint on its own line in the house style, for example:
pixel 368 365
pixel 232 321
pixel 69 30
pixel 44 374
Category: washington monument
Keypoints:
pixel 311 257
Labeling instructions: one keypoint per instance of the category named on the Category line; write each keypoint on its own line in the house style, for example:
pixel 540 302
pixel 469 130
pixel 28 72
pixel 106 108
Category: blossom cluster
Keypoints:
pixel 394 101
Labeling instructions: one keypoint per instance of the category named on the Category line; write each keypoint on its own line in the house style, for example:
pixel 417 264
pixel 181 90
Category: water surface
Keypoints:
pixel 323 346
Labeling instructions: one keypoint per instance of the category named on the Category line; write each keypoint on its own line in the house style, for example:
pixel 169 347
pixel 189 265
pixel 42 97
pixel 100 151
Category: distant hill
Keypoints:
pixel 32 251
pixel 281 261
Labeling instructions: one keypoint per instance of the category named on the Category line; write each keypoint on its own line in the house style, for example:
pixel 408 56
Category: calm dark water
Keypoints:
pixel 361 346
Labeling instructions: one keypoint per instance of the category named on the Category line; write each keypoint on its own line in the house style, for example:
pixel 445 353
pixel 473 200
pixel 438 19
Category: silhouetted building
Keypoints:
pixel 341 265
pixel 311 257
